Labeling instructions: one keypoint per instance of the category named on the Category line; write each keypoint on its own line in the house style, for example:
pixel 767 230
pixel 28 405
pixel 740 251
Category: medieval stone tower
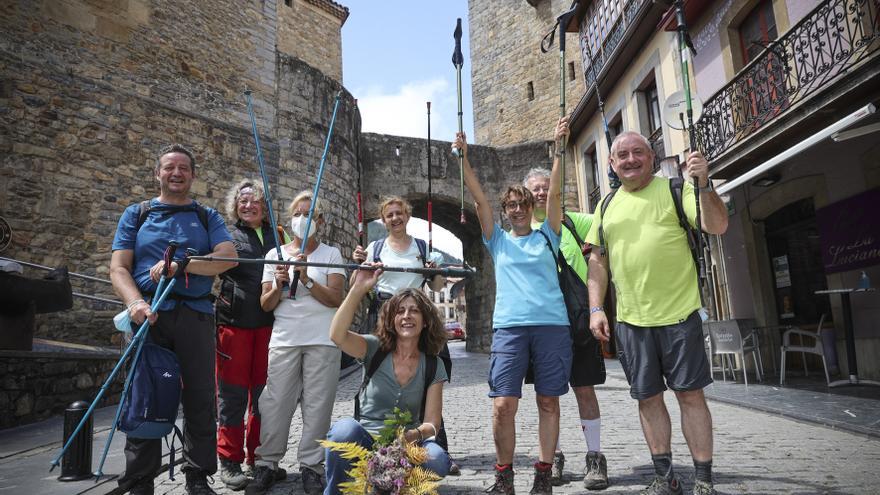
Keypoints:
pixel 515 86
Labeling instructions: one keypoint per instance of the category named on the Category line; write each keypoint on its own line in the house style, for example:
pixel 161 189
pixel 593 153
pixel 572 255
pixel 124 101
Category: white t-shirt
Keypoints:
pixel 394 282
pixel 304 320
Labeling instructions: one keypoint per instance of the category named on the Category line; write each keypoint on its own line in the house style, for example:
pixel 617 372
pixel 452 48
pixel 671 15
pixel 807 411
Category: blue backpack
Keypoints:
pixel 150 409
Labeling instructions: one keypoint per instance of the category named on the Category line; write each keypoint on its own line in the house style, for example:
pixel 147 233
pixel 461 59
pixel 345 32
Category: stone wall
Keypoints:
pixel 311 30
pixel 38 385
pixel 505 58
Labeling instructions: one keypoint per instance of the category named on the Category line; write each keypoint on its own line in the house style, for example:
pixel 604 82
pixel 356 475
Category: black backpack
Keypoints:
pixel 376 361
pixel 676 188
pixel 574 293
pixel 144 211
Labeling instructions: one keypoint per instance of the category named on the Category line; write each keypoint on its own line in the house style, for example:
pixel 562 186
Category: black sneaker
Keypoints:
pixel 312 482
pixel 264 478
pixel 596 472
pixel 454 468
pixel 280 472
pixel 231 475
pixel 557 472
pixel 503 482
pixel 663 486
pixel 541 485
pixel 143 486
pixel 197 483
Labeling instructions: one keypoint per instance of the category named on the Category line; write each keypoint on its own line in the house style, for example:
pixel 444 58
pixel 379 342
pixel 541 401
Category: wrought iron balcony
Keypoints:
pixel 831 40
pixel 612 40
pixel 656 141
pixel 595 198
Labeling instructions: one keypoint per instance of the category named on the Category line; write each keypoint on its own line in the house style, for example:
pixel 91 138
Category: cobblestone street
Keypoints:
pixel 755 452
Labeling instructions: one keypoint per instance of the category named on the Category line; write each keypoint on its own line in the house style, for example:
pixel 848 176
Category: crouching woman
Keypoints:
pixel 408 330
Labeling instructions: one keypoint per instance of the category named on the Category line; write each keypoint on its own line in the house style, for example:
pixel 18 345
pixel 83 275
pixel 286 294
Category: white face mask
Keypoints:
pixel 298 226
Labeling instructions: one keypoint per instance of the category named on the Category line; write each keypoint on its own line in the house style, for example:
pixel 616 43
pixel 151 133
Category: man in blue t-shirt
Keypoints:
pixel 185 321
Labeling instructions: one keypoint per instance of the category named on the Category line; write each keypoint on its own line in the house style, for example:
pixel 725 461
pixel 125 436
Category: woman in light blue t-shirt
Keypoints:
pixel 530 320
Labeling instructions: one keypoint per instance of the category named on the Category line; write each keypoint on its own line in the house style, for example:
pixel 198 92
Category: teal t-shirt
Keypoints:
pixel 526 279
pixel 383 393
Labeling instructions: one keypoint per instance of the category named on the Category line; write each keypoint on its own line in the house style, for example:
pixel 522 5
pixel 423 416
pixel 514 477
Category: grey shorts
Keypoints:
pixel 672 352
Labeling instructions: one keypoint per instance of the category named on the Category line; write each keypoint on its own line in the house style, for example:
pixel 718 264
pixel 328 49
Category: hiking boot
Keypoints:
pixel 197 483
pixel 454 468
pixel 264 478
pixel 663 486
pixel 280 473
pixel 596 472
pixel 312 482
pixel 231 475
pixel 143 486
pixel 541 485
pixel 703 488
pixel 556 472
pixel 503 482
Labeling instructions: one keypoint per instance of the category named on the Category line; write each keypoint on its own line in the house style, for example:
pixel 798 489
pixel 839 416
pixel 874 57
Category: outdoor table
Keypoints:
pixel 850 338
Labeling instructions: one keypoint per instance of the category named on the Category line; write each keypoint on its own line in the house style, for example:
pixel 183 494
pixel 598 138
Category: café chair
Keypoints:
pixel 805 346
pixel 726 340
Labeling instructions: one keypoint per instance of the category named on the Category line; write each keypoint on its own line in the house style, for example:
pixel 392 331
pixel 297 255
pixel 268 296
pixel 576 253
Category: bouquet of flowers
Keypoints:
pixel 392 467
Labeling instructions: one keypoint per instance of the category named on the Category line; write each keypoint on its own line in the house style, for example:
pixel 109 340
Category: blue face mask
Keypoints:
pixel 122 321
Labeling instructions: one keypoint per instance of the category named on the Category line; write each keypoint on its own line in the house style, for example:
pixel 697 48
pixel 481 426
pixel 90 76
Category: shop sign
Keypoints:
pixel 849 232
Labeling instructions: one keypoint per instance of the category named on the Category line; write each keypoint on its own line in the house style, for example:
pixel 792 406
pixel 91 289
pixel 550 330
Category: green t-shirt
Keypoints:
pixel 654 274
pixel 383 393
pixel 569 245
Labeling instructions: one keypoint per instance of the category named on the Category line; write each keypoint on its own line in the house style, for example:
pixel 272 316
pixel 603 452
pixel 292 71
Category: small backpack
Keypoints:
pixel 574 293
pixel 150 409
pixel 145 206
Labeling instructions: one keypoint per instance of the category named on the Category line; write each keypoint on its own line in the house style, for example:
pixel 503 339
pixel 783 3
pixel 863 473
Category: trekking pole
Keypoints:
pixel 446 271
pixel 305 240
pixel 169 252
pixel 362 240
pixel 266 192
pixel 684 47
pixel 613 179
pixel 458 62
pixel 430 205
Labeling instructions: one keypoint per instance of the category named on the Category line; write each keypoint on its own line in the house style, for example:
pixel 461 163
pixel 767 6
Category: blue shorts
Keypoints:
pixel 547 347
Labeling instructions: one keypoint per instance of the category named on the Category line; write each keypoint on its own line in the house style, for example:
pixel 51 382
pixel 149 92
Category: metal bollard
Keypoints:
pixel 76 464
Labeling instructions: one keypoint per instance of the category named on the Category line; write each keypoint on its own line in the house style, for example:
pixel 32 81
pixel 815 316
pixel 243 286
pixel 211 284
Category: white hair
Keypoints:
pixel 536 172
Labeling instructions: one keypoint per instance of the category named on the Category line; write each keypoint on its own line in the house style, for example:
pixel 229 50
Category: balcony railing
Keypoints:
pixel 596 61
pixel 836 36
pixel 656 141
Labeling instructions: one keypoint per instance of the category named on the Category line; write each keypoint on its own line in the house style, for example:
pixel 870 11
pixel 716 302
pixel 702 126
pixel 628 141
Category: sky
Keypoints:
pixel 396 56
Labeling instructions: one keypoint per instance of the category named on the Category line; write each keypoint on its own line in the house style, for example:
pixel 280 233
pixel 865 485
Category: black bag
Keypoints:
pixel 574 292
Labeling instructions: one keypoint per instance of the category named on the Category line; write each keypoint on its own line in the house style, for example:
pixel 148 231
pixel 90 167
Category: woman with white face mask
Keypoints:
pixel 303 361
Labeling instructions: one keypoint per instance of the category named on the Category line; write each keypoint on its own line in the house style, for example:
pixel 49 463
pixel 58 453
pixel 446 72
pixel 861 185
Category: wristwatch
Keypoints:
pixel 596 309
pixel 309 284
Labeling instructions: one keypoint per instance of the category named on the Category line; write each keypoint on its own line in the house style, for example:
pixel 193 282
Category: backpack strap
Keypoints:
pixel 369 371
pixel 430 371
pixel 605 202
pixel 569 224
pixel 377 249
pixel 423 249
pixel 676 188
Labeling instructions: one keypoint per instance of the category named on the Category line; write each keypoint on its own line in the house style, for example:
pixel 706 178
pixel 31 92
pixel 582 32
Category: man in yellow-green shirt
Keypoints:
pixel 588 365
pixel 659 330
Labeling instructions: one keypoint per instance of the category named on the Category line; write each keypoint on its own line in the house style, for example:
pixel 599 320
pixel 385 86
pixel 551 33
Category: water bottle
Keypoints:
pixel 864 281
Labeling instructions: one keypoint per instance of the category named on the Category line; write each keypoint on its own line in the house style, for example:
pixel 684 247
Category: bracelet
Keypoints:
pixel 136 301
pixel 597 309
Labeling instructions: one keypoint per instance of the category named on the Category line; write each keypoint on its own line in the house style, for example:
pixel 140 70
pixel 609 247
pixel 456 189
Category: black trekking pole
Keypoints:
pixel 613 179
pixel 446 271
pixel 685 46
pixel 305 240
pixel 562 23
pixel 430 204
pixel 266 192
pixel 458 62
pixel 362 238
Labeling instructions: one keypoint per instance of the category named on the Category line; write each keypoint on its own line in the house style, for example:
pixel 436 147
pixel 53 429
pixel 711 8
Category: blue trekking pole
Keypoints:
pixel 305 241
pixel 135 342
pixel 266 192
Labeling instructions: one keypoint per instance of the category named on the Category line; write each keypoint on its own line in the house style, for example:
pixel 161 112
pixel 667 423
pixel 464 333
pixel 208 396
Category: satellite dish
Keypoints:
pixel 675 110
pixel 5 234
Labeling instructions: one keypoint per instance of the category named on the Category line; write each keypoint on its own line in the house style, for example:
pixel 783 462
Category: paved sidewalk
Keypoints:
pixel 756 451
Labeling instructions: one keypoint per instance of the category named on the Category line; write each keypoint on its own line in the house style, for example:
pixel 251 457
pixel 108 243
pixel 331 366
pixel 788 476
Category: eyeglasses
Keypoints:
pixel 246 202
pixel 514 205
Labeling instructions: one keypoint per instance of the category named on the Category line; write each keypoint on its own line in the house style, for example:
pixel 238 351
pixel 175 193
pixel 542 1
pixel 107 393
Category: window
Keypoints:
pixel 615 127
pixel 757 30
pixel 591 160
pixel 289 3
pixel 530 91
pixel 571 73
pixel 442 296
pixel 652 107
